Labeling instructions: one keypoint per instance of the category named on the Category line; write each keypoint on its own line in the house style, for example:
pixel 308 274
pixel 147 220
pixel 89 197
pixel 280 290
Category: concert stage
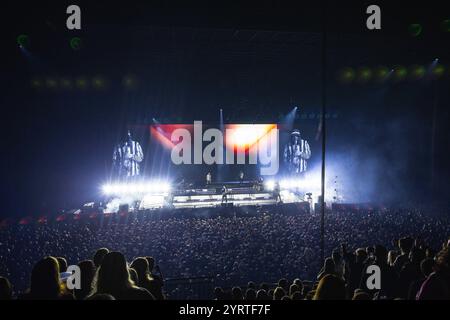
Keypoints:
pixel 139 197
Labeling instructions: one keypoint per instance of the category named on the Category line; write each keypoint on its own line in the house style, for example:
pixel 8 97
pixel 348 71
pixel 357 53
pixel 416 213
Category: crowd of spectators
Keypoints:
pixel 245 256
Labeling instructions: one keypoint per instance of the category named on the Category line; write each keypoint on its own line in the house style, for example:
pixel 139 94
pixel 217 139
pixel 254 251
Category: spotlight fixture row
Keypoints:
pixel 81 83
pixel 397 73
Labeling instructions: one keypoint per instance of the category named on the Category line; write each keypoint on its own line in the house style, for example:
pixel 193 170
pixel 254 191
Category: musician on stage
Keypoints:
pixel 241 176
pixel 127 157
pixel 224 195
pixel 208 178
pixel 277 192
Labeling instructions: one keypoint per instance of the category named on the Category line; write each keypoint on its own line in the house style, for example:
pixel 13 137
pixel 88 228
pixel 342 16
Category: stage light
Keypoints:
pixel 151 201
pixel 445 25
pixel 246 135
pixel 98 82
pixel 66 83
pixel 36 83
pixel 400 73
pixel 347 75
pixel 438 70
pixel 107 189
pixel 415 29
pixel 23 41
pixel 75 43
pixel 382 73
pixel 129 81
pixel 418 72
pixel 81 83
pixel 364 74
pixel 165 187
pixel 129 189
pixel 51 83
pixel 269 185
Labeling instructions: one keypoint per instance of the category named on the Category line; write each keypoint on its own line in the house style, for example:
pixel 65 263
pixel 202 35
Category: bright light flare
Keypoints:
pixel 151 187
pixel 269 185
pixel 246 135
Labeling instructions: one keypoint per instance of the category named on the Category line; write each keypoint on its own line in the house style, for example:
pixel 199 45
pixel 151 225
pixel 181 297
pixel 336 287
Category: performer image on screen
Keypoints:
pixel 127 157
pixel 296 154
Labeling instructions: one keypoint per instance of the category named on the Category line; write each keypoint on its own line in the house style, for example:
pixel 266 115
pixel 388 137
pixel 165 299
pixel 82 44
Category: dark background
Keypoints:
pixel 182 62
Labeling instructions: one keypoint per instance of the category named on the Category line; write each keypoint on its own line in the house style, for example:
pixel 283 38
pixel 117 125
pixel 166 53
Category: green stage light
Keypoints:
pixel 347 75
pixel 382 73
pixel 417 72
pixel 129 81
pixel 51 83
pixel 23 41
pixel 439 70
pixel 400 73
pixel 415 29
pixel 98 82
pixel 75 43
pixel 445 25
pixel 36 83
pixel 81 83
pixel 66 83
pixel 364 74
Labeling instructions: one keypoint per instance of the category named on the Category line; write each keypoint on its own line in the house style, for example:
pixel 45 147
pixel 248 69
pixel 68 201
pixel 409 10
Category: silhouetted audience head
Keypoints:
pixel 310 295
pixel 134 276
pixel 264 286
pixel 113 276
pixel 294 288
pixel 416 255
pixel 236 293
pixel 141 266
pixel 151 263
pixel 145 279
pixel 380 254
pixel 298 282
pixel 443 260
pixel 87 269
pixel 361 295
pixel 330 288
pixel 297 296
pixel 45 280
pixel 278 293
pixel 427 266
pixel 6 291
pixel 392 255
pixel 328 266
pixel 101 296
pixel 62 262
pixel 405 244
pixel 283 283
pixel 262 295
pixel 250 294
pixel 336 256
pixel 99 255
pixel 218 293
pixel 361 255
